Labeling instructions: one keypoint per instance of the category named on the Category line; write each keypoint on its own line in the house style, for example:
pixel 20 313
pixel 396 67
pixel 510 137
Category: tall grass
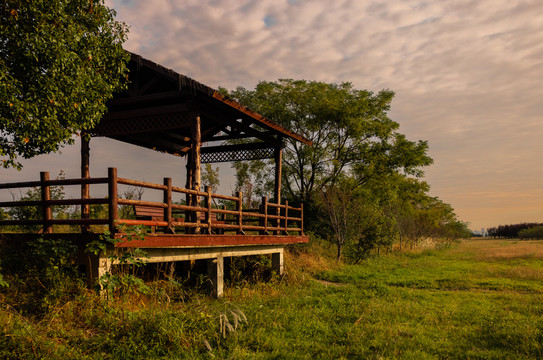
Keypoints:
pixel 470 301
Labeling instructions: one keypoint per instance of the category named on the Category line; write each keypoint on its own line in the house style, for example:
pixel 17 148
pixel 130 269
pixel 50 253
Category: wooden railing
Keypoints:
pixel 269 219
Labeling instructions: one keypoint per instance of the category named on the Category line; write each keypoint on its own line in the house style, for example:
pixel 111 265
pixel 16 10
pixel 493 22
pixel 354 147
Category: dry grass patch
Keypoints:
pixel 497 250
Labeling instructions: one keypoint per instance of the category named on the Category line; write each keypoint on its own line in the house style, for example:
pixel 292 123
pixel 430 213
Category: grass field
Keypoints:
pixel 480 299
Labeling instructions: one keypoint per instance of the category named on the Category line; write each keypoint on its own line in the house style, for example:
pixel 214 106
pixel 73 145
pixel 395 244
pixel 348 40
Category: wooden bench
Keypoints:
pixel 157 214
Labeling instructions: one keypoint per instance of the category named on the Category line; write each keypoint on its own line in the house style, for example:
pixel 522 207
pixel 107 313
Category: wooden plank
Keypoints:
pixel 141 184
pixel 203 240
pixel 53 202
pixel 142 222
pixel 141 202
pixel 15 185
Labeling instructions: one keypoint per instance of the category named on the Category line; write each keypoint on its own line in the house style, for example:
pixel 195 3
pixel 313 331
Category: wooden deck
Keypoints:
pixel 193 229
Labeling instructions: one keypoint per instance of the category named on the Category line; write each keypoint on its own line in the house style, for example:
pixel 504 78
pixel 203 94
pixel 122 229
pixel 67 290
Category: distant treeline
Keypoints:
pixel 523 231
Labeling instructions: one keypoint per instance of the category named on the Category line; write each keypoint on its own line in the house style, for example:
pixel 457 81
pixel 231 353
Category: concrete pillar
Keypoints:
pixel 277 262
pixel 215 270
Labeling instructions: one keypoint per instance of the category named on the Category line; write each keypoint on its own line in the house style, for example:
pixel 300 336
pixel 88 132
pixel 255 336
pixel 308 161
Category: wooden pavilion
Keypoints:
pixel 169 112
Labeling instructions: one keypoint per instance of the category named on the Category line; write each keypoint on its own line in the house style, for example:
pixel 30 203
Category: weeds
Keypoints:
pixel 450 303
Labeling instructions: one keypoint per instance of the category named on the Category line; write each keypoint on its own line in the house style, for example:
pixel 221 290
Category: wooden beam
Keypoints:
pixel 142 99
pixel 145 112
pixel 204 240
pixel 235 147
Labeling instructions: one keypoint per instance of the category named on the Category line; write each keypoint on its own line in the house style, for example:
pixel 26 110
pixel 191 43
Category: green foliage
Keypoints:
pixel 35 212
pixel 350 130
pixel 210 177
pixel 60 61
pixel 462 302
pixel 41 273
pixel 123 263
pixel 535 232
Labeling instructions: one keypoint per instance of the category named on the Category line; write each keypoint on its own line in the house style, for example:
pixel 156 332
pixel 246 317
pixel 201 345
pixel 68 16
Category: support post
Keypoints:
pixel 302 217
pixel 208 215
pixel 195 152
pixel 264 211
pixel 168 201
pixel 85 174
pixel 277 190
pixel 112 198
pixel 215 270
pixel 278 173
pixel 47 214
pixel 188 185
pixel 277 262
pixel 285 229
pixel 239 209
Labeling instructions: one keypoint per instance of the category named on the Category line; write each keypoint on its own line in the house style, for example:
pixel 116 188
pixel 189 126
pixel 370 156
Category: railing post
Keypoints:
pixel 286 218
pixel 85 174
pixel 208 207
pixel 168 201
pixel 264 211
pixel 302 217
pixel 47 214
pixel 277 222
pixel 239 209
pixel 112 197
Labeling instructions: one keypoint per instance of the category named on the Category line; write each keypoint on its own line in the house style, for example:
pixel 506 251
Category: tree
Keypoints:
pixel 350 130
pixel 60 61
pixel 210 177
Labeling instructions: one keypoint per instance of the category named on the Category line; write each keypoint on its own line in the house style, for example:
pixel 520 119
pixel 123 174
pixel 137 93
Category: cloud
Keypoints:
pixel 466 73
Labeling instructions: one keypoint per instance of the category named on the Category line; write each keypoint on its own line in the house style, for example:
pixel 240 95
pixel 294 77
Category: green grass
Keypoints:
pixel 479 300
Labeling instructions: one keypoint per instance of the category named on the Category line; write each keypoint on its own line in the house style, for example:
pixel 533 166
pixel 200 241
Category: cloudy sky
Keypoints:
pixel 467 76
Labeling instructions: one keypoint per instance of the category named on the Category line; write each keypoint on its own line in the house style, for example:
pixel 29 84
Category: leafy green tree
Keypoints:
pixel 350 130
pixel 354 219
pixel 60 61
pixel 210 177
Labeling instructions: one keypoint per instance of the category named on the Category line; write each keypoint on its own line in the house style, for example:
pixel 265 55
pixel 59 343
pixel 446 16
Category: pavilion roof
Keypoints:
pixel 159 108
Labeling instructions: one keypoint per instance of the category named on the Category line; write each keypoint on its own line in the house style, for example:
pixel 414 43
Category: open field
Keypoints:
pixel 480 299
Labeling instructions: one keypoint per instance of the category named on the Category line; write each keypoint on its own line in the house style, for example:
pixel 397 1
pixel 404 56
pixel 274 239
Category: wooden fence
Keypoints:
pixel 197 215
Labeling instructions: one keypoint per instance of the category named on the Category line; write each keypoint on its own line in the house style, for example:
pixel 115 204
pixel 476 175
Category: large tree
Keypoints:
pixel 350 130
pixel 60 61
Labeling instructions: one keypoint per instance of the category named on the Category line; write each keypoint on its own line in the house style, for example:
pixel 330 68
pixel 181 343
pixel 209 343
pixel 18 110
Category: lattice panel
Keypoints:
pixel 237 155
pixel 142 124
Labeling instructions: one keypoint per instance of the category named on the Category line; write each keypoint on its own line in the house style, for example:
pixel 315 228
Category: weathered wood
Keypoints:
pixel 277 262
pixel 215 270
pixel 302 219
pixel 142 222
pixel 286 217
pixel 239 209
pixel 168 202
pixel 196 166
pixel 85 174
pixel 187 191
pixel 53 202
pixel 204 240
pixel 208 213
pixel 141 184
pixel 47 214
pixel 15 185
pixel 141 202
pixel 278 174
pixel 112 196
pixel 264 221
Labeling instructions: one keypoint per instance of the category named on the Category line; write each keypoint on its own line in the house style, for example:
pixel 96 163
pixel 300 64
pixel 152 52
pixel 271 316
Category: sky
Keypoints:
pixel 467 76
